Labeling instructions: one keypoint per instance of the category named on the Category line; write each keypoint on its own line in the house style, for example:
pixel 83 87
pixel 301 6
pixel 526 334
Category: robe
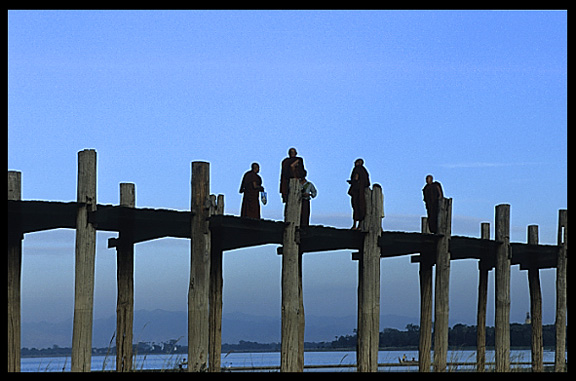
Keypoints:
pixel 357 191
pixel 308 191
pixel 251 187
pixel 288 172
pixel 432 195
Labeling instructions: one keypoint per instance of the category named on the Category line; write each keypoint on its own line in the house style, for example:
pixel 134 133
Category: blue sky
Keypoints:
pixel 477 98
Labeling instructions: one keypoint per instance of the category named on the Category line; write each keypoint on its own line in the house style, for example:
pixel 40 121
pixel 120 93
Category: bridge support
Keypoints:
pixel 292 314
pixel 198 290
pixel 484 266
pixel 216 284
pixel 369 283
pixel 84 265
pixel 502 311
pixel 425 273
pixel 561 287
pixel 535 306
pixel 442 286
pixel 125 279
pixel 14 263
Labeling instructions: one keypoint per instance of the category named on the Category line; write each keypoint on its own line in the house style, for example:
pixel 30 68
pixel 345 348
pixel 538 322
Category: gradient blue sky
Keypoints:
pixel 477 98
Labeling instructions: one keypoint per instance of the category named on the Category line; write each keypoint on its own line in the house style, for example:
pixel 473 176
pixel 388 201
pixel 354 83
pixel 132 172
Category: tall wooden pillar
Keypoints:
pixel 301 316
pixel 442 286
pixel 502 312
pixel 484 266
pixel 561 289
pixel 535 306
pixel 425 343
pixel 125 279
pixel 369 283
pixel 84 265
pixel 198 290
pixel 216 284
pixel 14 263
pixel 290 348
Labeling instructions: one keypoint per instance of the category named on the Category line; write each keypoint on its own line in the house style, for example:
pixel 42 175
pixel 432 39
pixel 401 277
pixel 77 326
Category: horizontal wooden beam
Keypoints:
pixel 237 232
pixel 33 216
pixel 393 243
pixel 530 256
pixel 469 248
pixel 146 224
pixel 317 238
pixel 143 224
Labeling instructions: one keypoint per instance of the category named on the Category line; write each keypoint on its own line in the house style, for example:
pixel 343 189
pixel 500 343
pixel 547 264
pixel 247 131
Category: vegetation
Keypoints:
pixel 460 335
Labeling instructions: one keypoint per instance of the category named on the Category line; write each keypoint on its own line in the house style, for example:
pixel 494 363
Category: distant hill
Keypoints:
pixel 160 325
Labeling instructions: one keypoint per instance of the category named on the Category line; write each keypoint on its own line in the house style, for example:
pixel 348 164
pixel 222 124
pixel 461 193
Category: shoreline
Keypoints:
pixel 110 353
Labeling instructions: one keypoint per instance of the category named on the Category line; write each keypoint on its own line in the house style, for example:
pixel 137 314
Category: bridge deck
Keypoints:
pixel 233 232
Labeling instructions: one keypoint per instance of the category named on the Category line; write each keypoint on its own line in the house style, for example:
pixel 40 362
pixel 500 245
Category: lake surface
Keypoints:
pixel 272 359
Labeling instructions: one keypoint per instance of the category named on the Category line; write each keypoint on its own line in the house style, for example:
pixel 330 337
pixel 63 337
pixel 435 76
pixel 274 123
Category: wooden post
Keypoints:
pixel 369 283
pixel 198 291
pixel 483 268
pixel 301 316
pixel 216 284
pixel 425 343
pixel 561 288
pixel 290 348
pixel 502 313
pixel 442 286
pixel 84 265
pixel 125 279
pixel 535 306
pixel 14 263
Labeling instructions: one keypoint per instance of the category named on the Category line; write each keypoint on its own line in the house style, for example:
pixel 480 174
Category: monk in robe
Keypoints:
pixel 292 167
pixel 359 181
pixel 308 191
pixel 432 195
pixel 251 187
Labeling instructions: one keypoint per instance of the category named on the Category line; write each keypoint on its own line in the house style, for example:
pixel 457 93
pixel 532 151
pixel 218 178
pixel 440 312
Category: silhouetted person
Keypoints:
pixel 359 181
pixel 308 191
pixel 432 196
pixel 251 187
pixel 292 167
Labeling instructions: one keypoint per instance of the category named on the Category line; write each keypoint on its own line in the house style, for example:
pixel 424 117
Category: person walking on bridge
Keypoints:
pixel 292 167
pixel 308 191
pixel 359 181
pixel 432 195
pixel 251 186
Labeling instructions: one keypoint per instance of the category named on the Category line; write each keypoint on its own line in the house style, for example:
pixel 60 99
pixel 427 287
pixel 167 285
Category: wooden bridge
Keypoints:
pixel 212 232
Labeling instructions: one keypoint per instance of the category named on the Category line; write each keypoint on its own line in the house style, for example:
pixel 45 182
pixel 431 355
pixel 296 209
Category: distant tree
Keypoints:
pixel 412 328
pixel 460 335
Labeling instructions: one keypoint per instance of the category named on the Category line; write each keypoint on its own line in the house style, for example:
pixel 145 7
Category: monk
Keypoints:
pixel 308 191
pixel 292 167
pixel 251 187
pixel 359 181
pixel 432 195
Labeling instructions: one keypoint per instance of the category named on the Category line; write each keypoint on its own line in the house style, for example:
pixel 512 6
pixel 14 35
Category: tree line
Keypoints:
pixel 460 335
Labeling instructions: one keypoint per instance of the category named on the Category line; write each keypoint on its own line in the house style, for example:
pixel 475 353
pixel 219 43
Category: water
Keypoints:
pixel 268 359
